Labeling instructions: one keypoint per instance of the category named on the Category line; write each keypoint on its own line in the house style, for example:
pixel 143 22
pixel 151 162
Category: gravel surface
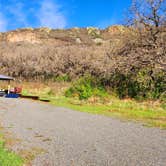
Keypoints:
pixel 72 138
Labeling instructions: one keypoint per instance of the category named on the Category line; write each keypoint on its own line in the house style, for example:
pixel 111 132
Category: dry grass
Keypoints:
pixel 44 89
pixel 7 157
pixel 8 137
pixel 25 156
pixel 29 154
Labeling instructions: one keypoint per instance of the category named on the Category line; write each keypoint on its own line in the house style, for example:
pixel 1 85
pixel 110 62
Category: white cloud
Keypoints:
pixel 51 16
pixel 3 23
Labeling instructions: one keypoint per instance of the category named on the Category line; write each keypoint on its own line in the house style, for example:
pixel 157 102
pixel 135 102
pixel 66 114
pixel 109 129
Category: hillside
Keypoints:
pixel 125 59
pixel 37 52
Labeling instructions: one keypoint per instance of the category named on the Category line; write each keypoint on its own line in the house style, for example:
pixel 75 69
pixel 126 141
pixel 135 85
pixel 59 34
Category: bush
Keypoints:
pixel 140 84
pixel 62 78
pixel 86 87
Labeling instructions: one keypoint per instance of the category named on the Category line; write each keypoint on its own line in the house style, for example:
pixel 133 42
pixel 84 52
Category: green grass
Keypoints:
pixel 8 158
pixel 127 110
pixel 150 113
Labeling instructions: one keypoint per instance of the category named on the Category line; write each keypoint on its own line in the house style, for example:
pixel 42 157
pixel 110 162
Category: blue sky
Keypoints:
pixel 61 13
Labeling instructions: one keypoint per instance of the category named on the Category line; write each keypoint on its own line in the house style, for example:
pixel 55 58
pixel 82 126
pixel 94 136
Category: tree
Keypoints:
pixel 148 17
pixel 148 13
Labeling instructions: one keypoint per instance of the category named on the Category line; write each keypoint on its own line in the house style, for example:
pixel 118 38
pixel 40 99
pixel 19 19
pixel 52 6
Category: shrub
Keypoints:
pixel 141 84
pixel 86 87
pixel 62 78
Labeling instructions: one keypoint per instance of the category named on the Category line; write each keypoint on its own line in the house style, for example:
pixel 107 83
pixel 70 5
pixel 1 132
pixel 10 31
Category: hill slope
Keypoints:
pixel 37 52
pixel 44 52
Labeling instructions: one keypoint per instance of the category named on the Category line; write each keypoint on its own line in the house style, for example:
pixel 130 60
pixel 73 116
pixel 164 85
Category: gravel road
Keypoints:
pixel 72 138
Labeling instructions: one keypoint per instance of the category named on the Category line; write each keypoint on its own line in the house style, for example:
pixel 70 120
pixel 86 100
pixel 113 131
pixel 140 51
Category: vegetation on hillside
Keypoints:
pixel 129 61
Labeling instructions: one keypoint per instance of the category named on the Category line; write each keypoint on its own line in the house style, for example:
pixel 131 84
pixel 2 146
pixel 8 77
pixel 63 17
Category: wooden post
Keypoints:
pixel 8 87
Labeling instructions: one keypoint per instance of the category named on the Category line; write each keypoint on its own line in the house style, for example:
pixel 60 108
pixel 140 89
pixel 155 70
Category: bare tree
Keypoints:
pixel 148 13
pixel 148 17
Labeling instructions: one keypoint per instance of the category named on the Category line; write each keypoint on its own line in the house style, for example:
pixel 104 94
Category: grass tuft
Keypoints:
pixel 8 158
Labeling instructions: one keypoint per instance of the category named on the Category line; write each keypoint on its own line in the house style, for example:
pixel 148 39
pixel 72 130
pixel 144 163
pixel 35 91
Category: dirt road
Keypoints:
pixel 71 138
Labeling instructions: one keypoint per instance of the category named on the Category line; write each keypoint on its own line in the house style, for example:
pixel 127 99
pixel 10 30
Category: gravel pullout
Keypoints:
pixel 72 138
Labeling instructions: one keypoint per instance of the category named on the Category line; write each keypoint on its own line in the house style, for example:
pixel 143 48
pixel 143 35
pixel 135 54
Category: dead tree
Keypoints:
pixel 148 17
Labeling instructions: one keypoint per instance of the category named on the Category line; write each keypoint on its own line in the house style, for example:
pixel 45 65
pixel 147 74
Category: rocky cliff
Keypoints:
pixel 89 35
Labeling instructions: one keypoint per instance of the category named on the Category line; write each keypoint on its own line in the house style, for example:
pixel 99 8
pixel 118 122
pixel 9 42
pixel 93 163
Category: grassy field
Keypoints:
pixel 123 109
pixel 8 158
pixel 150 113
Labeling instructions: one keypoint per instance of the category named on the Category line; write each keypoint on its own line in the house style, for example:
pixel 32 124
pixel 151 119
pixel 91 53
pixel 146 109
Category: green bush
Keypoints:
pixel 141 84
pixel 62 78
pixel 151 85
pixel 86 87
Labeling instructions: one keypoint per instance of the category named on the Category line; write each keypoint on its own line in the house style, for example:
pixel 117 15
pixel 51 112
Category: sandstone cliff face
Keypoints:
pixel 22 37
pixel 19 36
